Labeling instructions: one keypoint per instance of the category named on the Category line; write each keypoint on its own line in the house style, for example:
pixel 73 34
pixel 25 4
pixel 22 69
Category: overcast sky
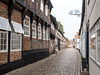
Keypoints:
pixel 61 9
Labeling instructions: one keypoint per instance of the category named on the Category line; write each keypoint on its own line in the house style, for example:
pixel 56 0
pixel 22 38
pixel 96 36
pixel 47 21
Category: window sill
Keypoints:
pixel 3 51
pixel 16 50
pixel 34 37
pixel 96 62
pixel 27 35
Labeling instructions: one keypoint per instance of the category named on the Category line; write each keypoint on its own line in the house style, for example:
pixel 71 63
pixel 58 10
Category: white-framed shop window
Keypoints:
pixel 43 32
pixel 3 41
pixel 41 6
pixel 46 10
pixel 15 42
pixel 27 26
pixel 34 29
pixel 96 30
pixel 39 31
pixel 98 44
pixel 93 45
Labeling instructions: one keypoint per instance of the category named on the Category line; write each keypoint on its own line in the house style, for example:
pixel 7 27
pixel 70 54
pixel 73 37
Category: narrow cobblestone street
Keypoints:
pixel 65 62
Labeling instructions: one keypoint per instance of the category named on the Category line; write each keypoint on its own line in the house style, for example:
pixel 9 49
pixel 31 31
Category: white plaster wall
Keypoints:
pixel 94 69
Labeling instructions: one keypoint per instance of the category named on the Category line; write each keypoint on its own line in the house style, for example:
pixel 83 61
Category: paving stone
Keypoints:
pixel 65 62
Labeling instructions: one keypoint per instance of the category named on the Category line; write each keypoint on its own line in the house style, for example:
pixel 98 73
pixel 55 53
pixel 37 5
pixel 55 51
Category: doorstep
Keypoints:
pixel 84 73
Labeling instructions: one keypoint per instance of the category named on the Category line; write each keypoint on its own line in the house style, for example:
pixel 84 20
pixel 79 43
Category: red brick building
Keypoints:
pixel 53 28
pixel 24 31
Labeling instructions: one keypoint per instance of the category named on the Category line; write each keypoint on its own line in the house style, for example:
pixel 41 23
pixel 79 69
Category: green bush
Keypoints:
pixel 83 58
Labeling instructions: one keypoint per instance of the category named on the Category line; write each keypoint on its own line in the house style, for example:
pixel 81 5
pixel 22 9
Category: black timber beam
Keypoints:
pixel 23 17
pixel 10 9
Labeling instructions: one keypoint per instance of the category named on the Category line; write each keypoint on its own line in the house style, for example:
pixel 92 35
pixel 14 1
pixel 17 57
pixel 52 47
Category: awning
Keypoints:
pixel 17 27
pixel 4 24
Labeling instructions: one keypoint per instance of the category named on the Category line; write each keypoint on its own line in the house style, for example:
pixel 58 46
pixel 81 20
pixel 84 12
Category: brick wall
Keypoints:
pixel 16 16
pixel 51 49
pixel 3 10
pixel 27 43
pixel 3 57
pixel 3 13
pixel 15 55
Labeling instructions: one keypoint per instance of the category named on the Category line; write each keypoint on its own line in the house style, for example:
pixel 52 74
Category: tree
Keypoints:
pixel 60 27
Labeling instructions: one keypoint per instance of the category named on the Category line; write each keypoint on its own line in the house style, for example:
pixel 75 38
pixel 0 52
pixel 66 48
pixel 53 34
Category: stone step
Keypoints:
pixel 84 73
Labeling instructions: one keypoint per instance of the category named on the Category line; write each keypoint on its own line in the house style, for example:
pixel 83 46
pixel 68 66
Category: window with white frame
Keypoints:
pixel 41 6
pixel 27 26
pixel 39 31
pixel 47 36
pixel 46 10
pixel 98 41
pixel 52 26
pixel 15 41
pixel 3 41
pixel 34 29
pixel 43 32
pixel 93 45
pixel 32 0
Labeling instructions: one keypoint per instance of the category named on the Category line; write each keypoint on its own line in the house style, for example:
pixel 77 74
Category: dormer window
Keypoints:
pixel 46 10
pixel 41 7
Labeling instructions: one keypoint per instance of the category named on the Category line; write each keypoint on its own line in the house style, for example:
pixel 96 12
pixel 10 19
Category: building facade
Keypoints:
pixel 53 28
pixel 27 32
pixel 91 25
pixel 24 31
pixel 77 41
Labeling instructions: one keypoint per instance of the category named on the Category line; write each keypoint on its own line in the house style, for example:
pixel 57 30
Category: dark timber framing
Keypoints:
pixel 35 54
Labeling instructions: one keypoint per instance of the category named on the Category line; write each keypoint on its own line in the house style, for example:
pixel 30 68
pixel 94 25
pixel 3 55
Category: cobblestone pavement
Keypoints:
pixel 65 62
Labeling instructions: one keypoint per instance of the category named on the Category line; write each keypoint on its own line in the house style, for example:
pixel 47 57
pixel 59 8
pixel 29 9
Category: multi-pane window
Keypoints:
pixel 27 26
pixel 47 36
pixel 3 41
pixel 55 40
pixel 39 31
pixel 41 7
pixel 43 32
pixel 52 26
pixel 46 10
pixel 93 46
pixel 34 29
pixel 98 41
pixel 15 41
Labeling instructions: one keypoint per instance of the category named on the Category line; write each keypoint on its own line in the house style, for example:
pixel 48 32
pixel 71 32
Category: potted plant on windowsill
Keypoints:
pixel 84 63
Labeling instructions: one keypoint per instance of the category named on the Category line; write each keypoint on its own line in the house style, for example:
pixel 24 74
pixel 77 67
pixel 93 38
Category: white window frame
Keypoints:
pixel 27 26
pixel 41 5
pixel 39 31
pixel 52 26
pixel 6 42
pixel 32 0
pixel 95 45
pixel 47 34
pixel 20 42
pixel 46 10
pixel 97 48
pixel 34 23
pixel 94 30
pixel 43 32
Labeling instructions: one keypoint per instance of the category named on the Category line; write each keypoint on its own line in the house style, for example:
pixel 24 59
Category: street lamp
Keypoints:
pixel 75 12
